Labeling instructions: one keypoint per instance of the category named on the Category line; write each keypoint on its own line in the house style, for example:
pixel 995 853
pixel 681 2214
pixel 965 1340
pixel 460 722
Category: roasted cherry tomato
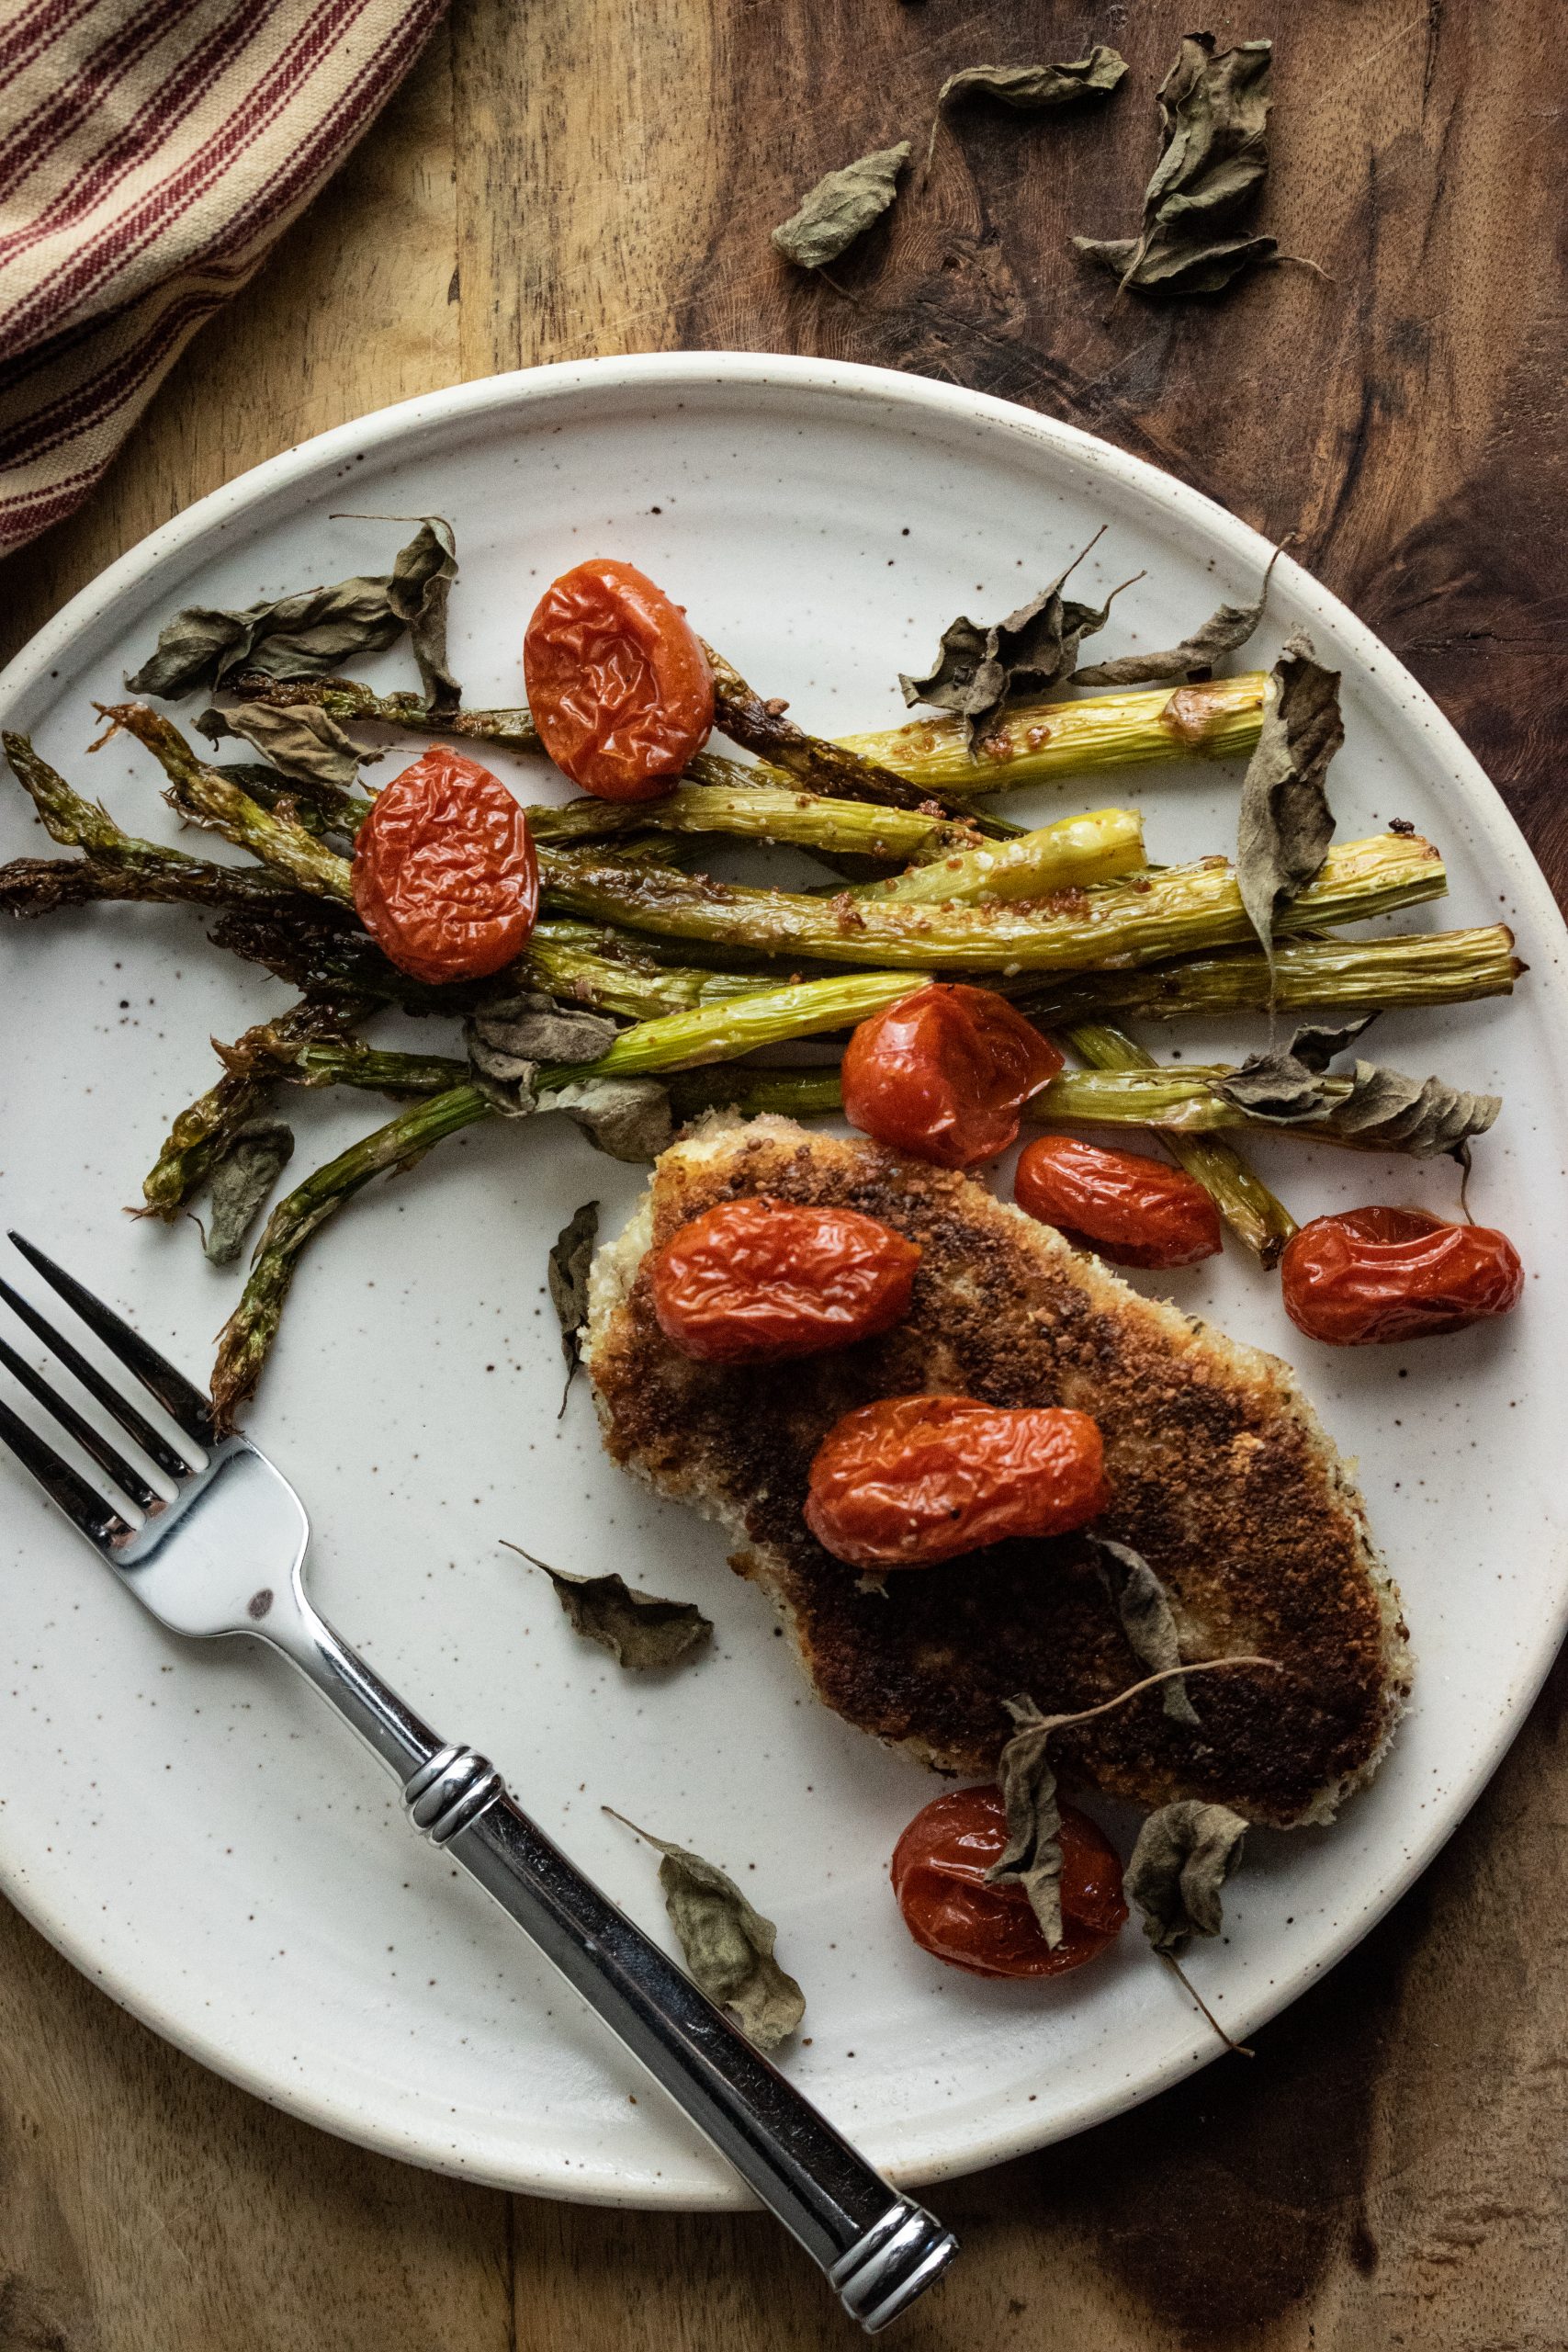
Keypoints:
pixel 939 1877
pixel 943 1073
pixel 758 1280
pixel 1377 1273
pixel 619 688
pixel 1133 1210
pixel 916 1479
pixel 445 875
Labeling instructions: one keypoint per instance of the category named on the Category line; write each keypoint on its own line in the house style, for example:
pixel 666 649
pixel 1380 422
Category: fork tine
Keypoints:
pixel 133 1423
pixel 99 1521
pixel 183 1404
pixel 128 1479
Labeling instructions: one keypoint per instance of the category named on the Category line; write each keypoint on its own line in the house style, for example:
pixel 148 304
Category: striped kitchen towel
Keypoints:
pixel 151 152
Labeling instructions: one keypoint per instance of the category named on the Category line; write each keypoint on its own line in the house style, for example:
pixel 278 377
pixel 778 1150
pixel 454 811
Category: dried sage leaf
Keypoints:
pixel 571 1254
pixel 240 1182
pixel 1224 631
pixel 1213 160
pixel 978 668
pixel 309 635
pixel 1035 88
pixel 1285 824
pixel 1032 1855
pixel 1424 1116
pixel 305 743
pixel 422 574
pixel 627 1118
pixel 1143 1608
pixel 509 1040
pixel 728 1944
pixel 1177 1872
pixel 840 208
pixel 638 1629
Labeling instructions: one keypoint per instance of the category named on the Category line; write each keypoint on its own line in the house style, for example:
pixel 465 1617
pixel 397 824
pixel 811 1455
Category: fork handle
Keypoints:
pixel 879 2249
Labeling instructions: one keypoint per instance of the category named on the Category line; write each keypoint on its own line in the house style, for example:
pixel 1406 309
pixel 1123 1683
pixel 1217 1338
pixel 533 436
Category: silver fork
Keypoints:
pixel 226 1555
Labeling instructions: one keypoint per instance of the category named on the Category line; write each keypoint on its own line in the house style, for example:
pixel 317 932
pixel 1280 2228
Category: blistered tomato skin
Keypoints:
pixel 939 1878
pixel 1128 1208
pixel 446 880
pixel 1379 1274
pixel 943 1073
pixel 618 685
pixel 762 1281
pixel 912 1480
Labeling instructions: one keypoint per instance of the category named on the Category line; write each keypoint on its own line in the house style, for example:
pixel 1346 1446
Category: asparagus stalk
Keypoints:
pixel 1069 855
pixel 1146 921
pixel 761 727
pixel 1412 969
pixel 118 865
pixel 1260 1222
pixel 1033 743
pixel 205 1133
pixel 1171 1100
pixel 752 1089
pixel 208 797
pixel 1038 742
pixel 680 1041
pixel 769 812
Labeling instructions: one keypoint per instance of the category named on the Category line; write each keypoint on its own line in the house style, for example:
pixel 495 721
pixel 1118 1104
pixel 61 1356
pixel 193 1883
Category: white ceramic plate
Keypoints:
pixel 191 1827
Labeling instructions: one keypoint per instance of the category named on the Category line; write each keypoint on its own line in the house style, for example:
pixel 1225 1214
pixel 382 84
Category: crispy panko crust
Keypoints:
pixel 1220 1472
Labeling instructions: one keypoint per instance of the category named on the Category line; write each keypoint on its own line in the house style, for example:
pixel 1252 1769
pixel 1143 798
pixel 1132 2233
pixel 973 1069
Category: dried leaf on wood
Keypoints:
pixel 1037 88
pixel 728 1945
pixel 417 591
pixel 1143 1608
pixel 638 1629
pixel 1213 160
pixel 1286 825
pixel 240 1182
pixel 571 1254
pixel 1184 1855
pixel 979 669
pixel 1224 631
pixel 305 744
pixel 840 208
pixel 1423 1117
pixel 307 636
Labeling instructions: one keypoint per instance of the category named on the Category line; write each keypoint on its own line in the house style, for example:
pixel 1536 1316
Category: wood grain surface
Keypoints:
pixel 568 177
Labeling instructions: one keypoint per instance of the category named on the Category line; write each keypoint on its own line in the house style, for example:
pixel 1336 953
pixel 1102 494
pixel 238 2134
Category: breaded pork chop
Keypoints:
pixel 1220 1474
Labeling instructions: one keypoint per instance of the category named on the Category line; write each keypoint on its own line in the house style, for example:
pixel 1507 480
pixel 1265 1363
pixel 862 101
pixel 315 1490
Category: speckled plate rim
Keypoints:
pixel 178 545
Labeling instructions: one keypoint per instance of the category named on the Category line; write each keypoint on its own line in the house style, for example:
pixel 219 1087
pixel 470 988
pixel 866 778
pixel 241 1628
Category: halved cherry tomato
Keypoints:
pixel 1133 1210
pixel 912 1480
pixel 446 881
pixel 760 1281
pixel 938 1878
pixel 619 688
pixel 943 1073
pixel 1379 1273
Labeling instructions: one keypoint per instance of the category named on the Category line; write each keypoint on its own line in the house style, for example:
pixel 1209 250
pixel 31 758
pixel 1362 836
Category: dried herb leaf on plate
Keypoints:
pixel 571 1254
pixel 305 744
pixel 840 208
pixel 980 668
pixel 626 1118
pixel 1424 1116
pixel 638 1629
pixel 422 574
pixel 1227 630
pixel 510 1041
pixel 305 636
pixel 1213 160
pixel 1285 824
pixel 240 1182
pixel 1178 1868
pixel 728 1945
